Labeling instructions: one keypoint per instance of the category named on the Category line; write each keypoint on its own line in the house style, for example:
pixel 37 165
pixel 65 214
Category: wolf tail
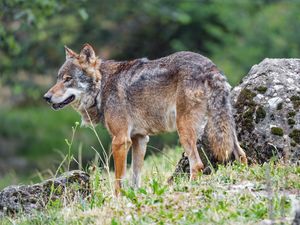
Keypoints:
pixel 220 129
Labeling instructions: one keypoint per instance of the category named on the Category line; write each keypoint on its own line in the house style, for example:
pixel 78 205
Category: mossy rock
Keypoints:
pixel 29 198
pixel 262 124
pixel 246 107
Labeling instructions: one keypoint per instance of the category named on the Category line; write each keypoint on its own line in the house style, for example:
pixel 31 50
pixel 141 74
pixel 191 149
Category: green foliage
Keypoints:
pixel 235 35
pixel 25 29
pixel 157 188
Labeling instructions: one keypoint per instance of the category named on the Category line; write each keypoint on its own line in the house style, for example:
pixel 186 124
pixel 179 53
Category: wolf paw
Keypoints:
pixel 244 160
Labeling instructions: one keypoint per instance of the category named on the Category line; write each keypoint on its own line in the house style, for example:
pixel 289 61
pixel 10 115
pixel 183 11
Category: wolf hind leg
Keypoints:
pixel 188 122
pixel 139 145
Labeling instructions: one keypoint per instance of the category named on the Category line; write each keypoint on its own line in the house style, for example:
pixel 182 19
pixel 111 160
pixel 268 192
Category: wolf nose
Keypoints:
pixel 47 97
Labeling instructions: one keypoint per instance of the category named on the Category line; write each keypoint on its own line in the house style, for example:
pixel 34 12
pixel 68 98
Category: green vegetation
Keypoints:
pixel 277 131
pixel 293 144
pixel 291 114
pixel 33 33
pixel 296 101
pixel 260 114
pixel 124 30
pixel 234 194
pixel 261 89
pixel 291 121
pixel 295 135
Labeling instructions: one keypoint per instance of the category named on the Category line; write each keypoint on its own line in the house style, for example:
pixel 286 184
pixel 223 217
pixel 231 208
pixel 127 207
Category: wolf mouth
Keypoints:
pixel 64 103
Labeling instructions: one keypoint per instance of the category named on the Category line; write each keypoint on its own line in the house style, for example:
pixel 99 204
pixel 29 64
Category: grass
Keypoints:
pixel 234 194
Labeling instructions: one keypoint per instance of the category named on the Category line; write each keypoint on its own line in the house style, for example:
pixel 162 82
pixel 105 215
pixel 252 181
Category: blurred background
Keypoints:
pixel 234 34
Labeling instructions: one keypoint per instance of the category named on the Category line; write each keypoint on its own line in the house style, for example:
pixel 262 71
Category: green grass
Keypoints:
pixel 235 194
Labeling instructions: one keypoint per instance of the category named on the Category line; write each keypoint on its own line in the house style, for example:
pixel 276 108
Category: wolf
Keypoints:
pixel 138 98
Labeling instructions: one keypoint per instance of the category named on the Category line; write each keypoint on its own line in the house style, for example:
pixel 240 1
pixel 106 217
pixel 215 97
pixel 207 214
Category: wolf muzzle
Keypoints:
pixel 47 97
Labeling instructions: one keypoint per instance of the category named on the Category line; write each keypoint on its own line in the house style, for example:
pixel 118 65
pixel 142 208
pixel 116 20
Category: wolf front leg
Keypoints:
pixel 139 145
pixel 120 147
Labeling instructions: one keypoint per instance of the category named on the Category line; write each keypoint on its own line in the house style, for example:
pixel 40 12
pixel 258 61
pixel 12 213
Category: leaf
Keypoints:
pixel 84 15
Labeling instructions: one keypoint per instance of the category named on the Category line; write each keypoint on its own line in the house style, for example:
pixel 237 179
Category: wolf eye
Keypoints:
pixel 68 79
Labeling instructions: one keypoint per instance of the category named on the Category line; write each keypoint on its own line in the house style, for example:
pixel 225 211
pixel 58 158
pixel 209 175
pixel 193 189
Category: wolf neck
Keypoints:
pixel 91 113
pixel 90 107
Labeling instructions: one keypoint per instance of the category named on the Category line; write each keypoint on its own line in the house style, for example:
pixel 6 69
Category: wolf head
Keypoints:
pixel 77 82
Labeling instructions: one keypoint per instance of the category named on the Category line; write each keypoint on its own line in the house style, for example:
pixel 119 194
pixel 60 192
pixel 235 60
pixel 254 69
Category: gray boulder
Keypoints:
pixel 267 114
pixel 27 198
pixel 267 110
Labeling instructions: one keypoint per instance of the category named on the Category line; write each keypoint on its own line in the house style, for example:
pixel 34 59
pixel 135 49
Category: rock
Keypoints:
pixel 296 220
pixel 182 168
pixel 267 113
pixel 269 126
pixel 27 198
pixel 274 102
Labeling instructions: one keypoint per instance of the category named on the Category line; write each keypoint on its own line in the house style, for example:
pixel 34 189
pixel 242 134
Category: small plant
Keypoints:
pixel 131 195
pixel 157 188
pixel 97 197
pixel 70 144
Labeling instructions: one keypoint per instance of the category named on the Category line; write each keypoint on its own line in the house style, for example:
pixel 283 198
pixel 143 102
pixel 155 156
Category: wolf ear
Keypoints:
pixel 87 54
pixel 89 62
pixel 70 53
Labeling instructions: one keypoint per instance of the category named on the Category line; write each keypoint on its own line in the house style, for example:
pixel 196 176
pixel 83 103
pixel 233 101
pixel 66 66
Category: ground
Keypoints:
pixel 235 194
